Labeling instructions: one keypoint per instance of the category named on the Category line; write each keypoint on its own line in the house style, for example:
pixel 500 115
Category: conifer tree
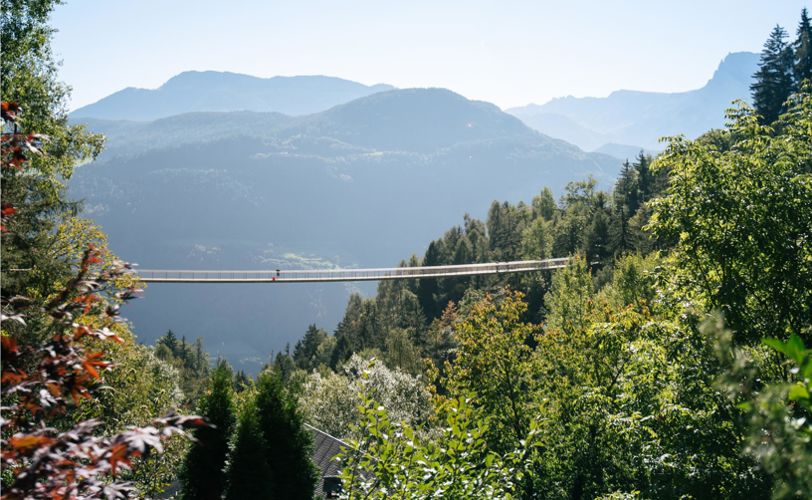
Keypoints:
pixel 346 334
pixel 476 233
pixel 248 474
pixel 203 476
pixel 306 352
pixel 620 239
pixel 625 202
pixel 170 341
pixel 241 381
pixel 427 289
pixel 544 204
pixel 774 78
pixel 645 178
pixel 288 445
pixel 803 49
pixel 597 239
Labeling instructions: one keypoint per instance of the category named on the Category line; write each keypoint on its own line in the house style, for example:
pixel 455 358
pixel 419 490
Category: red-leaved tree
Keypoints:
pixel 53 358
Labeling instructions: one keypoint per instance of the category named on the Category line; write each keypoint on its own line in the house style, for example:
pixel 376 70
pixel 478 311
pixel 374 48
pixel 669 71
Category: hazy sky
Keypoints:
pixel 509 52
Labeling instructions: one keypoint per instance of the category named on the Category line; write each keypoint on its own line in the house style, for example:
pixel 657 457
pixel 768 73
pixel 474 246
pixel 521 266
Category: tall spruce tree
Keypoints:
pixel 427 289
pixel 248 474
pixel 288 445
pixel 203 476
pixel 597 241
pixel 306 352
pixel 803 49
pixel 346 334
pixel 774 80
pixel 646 182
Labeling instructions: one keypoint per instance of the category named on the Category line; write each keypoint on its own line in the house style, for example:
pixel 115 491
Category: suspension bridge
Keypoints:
pixel 331 275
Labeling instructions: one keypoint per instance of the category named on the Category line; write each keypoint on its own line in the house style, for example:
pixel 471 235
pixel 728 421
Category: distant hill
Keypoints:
pixel 364 183
pixel 414 120
pixel 641 118
pixel 194 91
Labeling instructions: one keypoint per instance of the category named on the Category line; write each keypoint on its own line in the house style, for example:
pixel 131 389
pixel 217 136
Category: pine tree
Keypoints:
pixel 803 50
pixel 288 445
pixel 544 204
pixel 346 334
pixel 645 178
pixel 241 381
pixel 201 359
pixel 202 475
pixel 477 235
pixel 597 239
pixel 620 239
pixel 774 80
pixel 306 351
pixel 248 474
pixel 427 289
pixel 626 191
pixel 170 341
pixel 625 202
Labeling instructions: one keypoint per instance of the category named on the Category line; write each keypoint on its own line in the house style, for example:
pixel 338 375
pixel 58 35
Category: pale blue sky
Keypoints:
pixel 508 52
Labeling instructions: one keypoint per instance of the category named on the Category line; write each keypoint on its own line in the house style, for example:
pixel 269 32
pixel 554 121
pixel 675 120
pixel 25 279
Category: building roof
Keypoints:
pixel 325 449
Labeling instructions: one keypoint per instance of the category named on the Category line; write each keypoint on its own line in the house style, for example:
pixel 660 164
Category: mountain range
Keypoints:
pixel 224 171
pixel 221 91
pixel 365 183
pixel 629 120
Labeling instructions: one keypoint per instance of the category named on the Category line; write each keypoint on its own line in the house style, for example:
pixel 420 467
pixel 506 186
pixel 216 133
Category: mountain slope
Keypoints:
pixel 193 91
pixel 363 184
pixel 414 119
pixel 641 118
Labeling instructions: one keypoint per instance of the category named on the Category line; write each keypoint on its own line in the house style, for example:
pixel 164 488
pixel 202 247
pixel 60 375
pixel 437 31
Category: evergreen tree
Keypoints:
pixel 646 182
pixel 203 476
pixel 427 288
pixel 248 474
pixel 620 238
pixel 803 50
pixel 288 445
pixel 241 381
pixel 306 353
pixel 283 364
pixel 627 189
pixel 201 360
pixel 774 78
pixel 598 248
pixel 410 284
pixel 346 334
pixel 170 341
pixel 476 233
pixel 505 225
pixel 544 205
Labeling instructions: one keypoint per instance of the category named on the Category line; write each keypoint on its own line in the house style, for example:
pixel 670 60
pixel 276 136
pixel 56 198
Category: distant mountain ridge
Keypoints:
pixel 195 91
pixel 639 119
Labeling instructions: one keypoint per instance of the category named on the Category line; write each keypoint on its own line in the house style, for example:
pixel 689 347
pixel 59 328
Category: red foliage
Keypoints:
pixel 42 380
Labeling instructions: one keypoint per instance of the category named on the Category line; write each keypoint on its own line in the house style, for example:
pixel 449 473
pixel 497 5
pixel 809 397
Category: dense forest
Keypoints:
pixel 669 359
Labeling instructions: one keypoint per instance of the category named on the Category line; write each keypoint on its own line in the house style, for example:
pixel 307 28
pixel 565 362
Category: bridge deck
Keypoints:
pixel 328 275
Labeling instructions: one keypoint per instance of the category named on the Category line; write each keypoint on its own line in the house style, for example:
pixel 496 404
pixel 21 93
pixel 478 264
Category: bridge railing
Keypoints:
pixel 325 275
